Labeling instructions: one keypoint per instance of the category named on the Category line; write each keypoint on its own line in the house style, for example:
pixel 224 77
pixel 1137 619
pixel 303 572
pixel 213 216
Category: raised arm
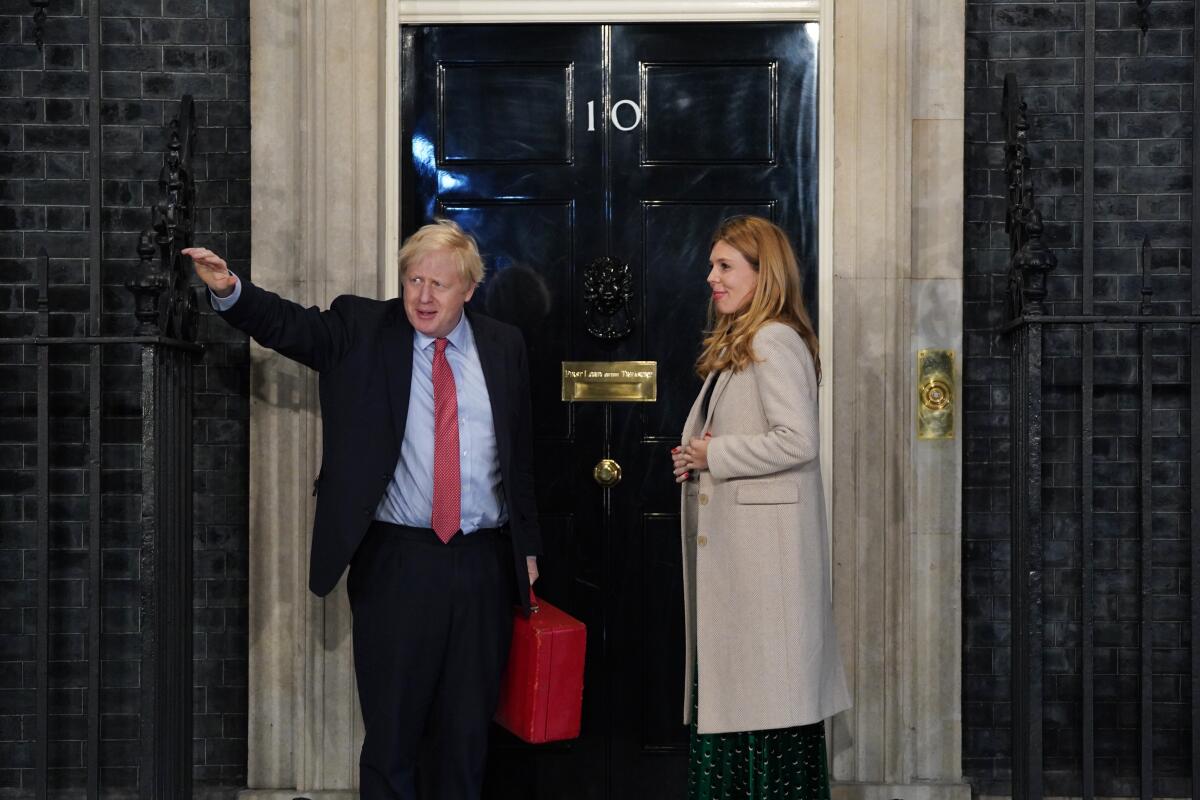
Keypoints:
pixel 310 336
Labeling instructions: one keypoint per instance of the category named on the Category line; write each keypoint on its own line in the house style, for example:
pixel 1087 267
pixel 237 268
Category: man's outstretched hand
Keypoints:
pixel 212 269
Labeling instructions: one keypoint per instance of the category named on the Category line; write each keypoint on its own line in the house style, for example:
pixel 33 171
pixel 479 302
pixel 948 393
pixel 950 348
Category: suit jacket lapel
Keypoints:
pixel 492 360
pixel 398 361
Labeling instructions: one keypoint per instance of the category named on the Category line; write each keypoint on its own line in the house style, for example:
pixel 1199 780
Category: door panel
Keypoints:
pixel 511 131
pixel 505 112
pixel 690 108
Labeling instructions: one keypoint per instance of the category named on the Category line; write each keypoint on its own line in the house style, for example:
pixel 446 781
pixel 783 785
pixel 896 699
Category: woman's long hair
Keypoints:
pixel 777 298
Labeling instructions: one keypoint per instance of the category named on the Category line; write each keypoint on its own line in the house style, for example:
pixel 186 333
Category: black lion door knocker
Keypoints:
pixel 607 293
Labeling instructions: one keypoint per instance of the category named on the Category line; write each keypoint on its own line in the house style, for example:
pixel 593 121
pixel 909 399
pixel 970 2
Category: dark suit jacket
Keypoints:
pixel 362 349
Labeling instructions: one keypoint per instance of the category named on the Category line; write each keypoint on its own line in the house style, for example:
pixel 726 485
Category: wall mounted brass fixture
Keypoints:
pixel 935 394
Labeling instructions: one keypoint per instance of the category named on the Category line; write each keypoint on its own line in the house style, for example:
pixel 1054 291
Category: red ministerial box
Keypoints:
pixel 541 696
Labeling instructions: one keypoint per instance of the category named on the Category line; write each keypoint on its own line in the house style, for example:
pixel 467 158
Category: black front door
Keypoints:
pixel 558 146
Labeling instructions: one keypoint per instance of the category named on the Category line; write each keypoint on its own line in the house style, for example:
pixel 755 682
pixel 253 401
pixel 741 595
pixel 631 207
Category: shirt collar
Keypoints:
pixel 460 337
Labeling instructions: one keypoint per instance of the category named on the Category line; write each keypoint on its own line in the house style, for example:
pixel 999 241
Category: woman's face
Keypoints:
pixel 732 278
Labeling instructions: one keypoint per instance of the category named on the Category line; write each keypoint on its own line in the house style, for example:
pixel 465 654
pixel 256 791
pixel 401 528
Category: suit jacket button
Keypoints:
pixel 703 499
pixel 701 541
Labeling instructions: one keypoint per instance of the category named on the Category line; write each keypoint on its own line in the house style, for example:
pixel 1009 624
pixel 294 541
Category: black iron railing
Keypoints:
pixel 166 321
pixel 1031 325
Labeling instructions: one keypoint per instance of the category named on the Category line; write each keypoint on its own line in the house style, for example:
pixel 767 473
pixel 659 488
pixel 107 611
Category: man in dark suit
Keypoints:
pixel 425 491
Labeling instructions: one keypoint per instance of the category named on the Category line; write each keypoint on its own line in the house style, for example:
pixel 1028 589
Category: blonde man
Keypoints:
pixel 425 492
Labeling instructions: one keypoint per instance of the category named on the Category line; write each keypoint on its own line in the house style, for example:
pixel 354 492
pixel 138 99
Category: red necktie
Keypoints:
pixel 447 487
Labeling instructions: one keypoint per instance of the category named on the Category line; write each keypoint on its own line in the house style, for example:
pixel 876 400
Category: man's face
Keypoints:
pixel 435 293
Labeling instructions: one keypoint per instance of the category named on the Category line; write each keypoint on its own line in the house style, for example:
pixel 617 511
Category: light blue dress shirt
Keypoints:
pixel 408 499
pixel 226 303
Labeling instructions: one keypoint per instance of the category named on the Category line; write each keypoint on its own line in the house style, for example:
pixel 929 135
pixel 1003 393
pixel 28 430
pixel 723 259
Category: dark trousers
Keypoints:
pixel 432 626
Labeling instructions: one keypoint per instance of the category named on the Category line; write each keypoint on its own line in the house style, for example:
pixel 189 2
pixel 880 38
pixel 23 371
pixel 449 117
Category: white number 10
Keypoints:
pixel 637 115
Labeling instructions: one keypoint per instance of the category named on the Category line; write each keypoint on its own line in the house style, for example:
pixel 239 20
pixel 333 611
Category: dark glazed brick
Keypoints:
pixel 175 85
pixel 184 59
pixel 1032 16
pixel 131 8
pixel 121 84
pixel 184 8
pixel 1154 180
pixel 1031 45
pixel 66 111
pixel 44 143
pixel 1161 153
pixel 114 112
pixel 1156 70
pixel 22 165
pixel 229 113
pixel 1160 98
pixel 1155 126
pixel 56 138
pixel 182 31
pixel 132 59
pixel 21 110
pixel 55 192
pixel 229 59
pixel 20 57
pixel 1143 183
pixel 119 31
pixel 54 84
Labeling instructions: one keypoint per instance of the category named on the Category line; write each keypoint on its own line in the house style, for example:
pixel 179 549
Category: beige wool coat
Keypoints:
pixel 755 550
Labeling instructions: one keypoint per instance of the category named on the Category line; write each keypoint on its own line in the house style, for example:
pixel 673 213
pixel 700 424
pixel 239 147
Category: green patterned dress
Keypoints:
pixel 783 764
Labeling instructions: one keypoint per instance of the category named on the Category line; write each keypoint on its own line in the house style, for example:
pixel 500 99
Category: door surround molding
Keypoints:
pixel 325 87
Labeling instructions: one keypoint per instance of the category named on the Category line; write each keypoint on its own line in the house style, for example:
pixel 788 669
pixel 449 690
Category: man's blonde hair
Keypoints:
pixel 446 235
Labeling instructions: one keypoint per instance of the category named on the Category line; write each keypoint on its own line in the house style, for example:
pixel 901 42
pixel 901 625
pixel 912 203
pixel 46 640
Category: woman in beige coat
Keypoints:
pixel 763 669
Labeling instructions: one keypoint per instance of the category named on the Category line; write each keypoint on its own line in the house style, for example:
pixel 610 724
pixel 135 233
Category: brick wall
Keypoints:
pixel 153 51
pixel 1143 188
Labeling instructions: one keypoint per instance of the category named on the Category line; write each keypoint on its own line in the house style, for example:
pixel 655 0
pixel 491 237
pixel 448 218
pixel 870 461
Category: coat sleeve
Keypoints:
pixel 525 507
pixel 310 336
pixel 787 387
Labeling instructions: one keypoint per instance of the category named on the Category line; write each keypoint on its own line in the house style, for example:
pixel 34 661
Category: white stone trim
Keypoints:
pixel 428 12
pixel 390 169
pixel 826 122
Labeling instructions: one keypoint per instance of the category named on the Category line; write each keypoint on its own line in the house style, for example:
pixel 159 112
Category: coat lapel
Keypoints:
pixel 693 419
pixel 722 382
pixel 398 360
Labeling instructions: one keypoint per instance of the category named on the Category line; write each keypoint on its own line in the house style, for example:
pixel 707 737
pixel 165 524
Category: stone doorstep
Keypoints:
pixel 841 791
pixel 901 791
pixel 1074 797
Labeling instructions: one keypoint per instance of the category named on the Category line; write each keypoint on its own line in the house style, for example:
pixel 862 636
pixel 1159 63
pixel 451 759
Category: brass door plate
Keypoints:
pixel 610 381
pixel 935 394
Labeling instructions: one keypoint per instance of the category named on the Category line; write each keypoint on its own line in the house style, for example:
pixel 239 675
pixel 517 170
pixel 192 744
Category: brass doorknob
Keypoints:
pixel 607 473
